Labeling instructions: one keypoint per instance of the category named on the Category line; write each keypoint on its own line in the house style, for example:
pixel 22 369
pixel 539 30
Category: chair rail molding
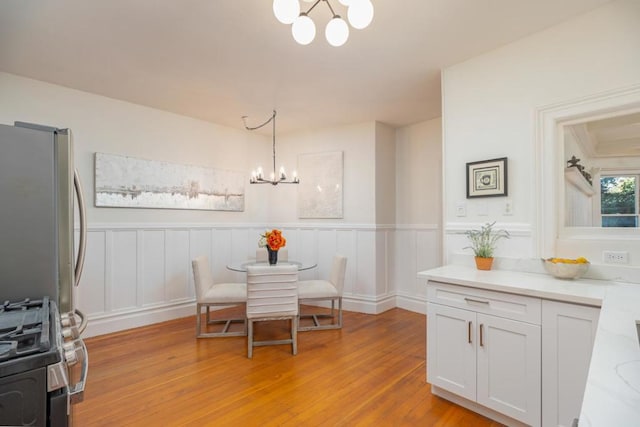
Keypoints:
pixel 514 229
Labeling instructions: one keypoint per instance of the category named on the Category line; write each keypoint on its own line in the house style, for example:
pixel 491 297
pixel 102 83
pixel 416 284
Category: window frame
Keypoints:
pixel 620 173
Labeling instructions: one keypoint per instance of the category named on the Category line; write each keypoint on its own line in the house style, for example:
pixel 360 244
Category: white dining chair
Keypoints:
pixel 272 294
pixel 314 291
pixel 210 294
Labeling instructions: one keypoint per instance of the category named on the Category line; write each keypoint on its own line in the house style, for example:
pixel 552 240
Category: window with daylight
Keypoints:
pixel 619 200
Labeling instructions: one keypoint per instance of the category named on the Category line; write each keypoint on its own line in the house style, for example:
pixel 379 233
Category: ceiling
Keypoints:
pixel 610 137
pixel 218 60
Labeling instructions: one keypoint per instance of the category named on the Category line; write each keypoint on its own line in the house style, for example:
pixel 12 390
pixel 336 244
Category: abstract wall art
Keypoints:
pixel 320 189
pixel 130 182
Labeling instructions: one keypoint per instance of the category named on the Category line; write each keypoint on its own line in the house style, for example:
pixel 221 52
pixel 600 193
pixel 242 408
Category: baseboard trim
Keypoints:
pixel 411 303
pixel 368 306
pixel 135 318
pixel 116 322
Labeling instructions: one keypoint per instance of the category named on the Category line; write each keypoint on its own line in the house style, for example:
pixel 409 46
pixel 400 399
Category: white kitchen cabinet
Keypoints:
pixel 476 350
pixel 509 368
pixel 568 333
pixel 451 351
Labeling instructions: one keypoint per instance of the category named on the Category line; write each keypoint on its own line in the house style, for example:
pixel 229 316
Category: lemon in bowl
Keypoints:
pixel 566 268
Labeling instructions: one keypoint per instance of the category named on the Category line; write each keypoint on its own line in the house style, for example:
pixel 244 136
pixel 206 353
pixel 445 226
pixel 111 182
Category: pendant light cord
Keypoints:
pixel 274 180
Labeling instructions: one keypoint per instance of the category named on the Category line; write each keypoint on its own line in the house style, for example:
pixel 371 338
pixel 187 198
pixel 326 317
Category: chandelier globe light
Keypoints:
pixel 359 14
pixel 257 176
pixel 337 32
pixel 303 30
pixel 286 11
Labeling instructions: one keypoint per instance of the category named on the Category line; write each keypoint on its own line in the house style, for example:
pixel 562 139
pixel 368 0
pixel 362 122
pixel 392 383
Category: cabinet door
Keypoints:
pixel 568 332
pixel 509 367
pixel 451 356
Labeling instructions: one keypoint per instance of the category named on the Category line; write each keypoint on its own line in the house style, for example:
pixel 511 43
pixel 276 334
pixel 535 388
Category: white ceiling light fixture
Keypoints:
pixel 257 176
pixel 286 11
pixel 303 29
pixel 337 32
pixel 359 13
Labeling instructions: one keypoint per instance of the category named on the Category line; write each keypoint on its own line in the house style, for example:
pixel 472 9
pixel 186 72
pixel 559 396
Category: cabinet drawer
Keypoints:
pixel 510 306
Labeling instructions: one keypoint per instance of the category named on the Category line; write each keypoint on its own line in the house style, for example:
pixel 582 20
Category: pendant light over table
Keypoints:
pixel 257 176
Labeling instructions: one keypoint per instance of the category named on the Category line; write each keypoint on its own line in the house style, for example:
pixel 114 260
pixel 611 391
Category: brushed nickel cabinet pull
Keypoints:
pixel 475 300
pixel 481 328
pixel 469 331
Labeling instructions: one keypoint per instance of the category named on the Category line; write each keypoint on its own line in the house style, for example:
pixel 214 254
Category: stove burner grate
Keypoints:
pixel 24 328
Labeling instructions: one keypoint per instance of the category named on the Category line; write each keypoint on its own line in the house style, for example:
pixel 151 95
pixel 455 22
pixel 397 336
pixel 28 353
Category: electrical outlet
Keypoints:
pixel 508 207
pixel 615 257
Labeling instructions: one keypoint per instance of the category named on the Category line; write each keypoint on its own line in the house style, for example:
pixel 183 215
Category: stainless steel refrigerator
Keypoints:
pixel 37 186
pixel 43 360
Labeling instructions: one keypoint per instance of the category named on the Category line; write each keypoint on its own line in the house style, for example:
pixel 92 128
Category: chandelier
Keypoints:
pixel 257 176
pixel 359 14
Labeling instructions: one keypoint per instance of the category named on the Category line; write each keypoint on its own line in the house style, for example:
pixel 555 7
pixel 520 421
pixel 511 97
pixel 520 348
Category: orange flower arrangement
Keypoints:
pixel 274 239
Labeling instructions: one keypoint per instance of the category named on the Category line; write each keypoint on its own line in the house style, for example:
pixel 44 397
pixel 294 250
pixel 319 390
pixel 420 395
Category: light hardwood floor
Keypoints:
pixel 370 373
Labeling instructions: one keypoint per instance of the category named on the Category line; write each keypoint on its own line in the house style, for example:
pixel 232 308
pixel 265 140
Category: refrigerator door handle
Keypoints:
pixel 83 321
pixel 83 227
pixel 77 390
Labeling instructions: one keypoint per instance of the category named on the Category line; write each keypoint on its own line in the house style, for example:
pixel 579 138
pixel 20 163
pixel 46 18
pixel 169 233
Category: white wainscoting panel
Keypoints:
pixel 151 259
pixel 383 249
pixel 124 275
pixel 346 246
pixel 140 274
pixel 90 296
pixel 416 248
pixel 366 280
pixel 177 266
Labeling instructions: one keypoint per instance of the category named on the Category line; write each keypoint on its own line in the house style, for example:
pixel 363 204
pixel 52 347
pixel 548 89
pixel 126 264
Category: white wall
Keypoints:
pixel 417 239
pixel 138 270
pixel 419 173
pixel 357 142
pixel 385 174
pixel 101 124
pixel 490 103
pixel 385 207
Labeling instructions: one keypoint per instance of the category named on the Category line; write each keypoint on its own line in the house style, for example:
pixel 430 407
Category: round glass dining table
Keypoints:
pixel 242 266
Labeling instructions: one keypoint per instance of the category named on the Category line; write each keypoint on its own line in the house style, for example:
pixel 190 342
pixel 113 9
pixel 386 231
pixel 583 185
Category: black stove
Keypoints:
pixel 24 331
pixel 37 350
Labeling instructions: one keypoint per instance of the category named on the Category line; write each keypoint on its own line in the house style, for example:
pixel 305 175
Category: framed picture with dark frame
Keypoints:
pixel 487 178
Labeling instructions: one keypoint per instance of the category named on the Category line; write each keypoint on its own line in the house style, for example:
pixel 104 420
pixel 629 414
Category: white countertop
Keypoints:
pixel 612 395
pixel 583 291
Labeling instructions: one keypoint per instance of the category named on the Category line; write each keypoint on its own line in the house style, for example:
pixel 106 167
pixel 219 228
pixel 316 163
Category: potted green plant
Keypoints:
pixel 483 244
